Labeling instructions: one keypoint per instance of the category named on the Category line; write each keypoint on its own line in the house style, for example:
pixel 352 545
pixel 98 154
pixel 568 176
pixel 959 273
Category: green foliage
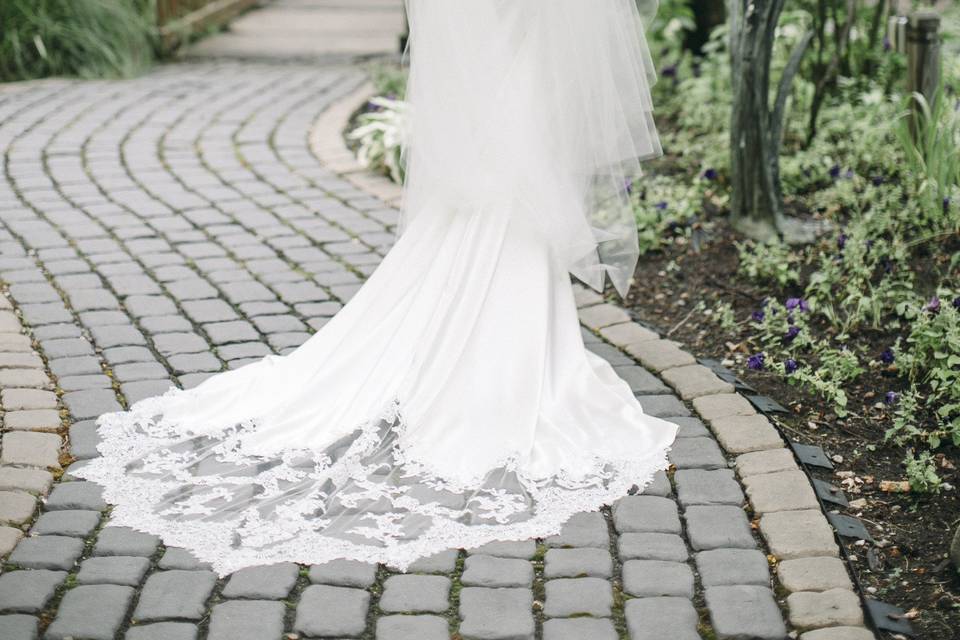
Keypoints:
pixel 662 207
pixel 379 135
pixel 922 472
pixel 85 38
pixel 389 80
pixel 768 262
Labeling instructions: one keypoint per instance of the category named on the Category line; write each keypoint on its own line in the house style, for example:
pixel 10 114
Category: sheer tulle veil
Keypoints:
pixel 548 101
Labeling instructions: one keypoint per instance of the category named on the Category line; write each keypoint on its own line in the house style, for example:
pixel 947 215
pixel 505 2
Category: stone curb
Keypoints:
pixel 30 445
pixel 327 143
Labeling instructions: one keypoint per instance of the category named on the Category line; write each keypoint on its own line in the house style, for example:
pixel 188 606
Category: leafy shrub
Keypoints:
pixel 86 38
pixel 379 134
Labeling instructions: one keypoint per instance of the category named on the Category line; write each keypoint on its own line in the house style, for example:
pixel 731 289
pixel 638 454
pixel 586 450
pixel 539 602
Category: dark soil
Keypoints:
pixel 908 565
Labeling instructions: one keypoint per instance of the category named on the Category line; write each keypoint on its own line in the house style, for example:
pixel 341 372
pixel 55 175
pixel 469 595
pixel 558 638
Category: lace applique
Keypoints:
pixel 361 498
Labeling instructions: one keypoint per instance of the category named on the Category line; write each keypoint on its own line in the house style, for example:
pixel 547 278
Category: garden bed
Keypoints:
pixel 910 566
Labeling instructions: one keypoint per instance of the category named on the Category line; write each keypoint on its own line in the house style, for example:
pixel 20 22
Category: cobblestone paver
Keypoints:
pixel 158 230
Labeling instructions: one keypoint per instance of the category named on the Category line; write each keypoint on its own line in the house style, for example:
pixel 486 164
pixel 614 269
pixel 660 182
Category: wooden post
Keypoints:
pixel 923 60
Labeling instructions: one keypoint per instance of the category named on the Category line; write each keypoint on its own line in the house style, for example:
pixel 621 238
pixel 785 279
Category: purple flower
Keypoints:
pixel 669 71
pixel 759 315
pixel 628 186
pixel 756 361
pixel 890 397
pixel 841 241
pixel 797 303
pixel 877 181
pixel 790 366
pixel 710 174
pixel 934 305
pixel 792 332
pixel 888 356
pixel 661 205
pixel 849 174
pixel 887 45
pixel 956 302
pixel 835 171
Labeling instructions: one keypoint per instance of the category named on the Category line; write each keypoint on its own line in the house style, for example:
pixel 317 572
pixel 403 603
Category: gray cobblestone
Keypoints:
pixel 412 628
pixel 578 629
pixel 720 567
pixel 162 631
pixel 28 591
pixel 648 578
pixel 690 427
pixel 18 627
pixel 177 558
pixel 73 618
pixel 35 481
pixel 123 570
pixel 496 614
pixel 568 597
pixel 443 562
pixel 175 594
pixel 331 611
pixel 47 552
pixel 84 440
pixel 652 546
pixel 15 399
pixel 123 541
pixel 67 522
pixel 91 403
pixel 346 573
pixel 414 593
pixel 30 449
pixel 488 571
pixel 271 582
pixel 582 530
pixel 659 486
pixel 32 420
pixel 664 406
pixel 574 563
pixel 718 527
pixel 246 620
pixel 699 486
pixel 646 514
pixel 744 611
pixel 660 618
pixel 697 453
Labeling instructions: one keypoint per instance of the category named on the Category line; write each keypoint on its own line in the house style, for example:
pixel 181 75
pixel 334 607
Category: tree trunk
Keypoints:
pixel 755 128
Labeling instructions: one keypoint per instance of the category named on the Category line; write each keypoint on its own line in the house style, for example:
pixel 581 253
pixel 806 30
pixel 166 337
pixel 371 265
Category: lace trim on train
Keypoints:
pixel 361 498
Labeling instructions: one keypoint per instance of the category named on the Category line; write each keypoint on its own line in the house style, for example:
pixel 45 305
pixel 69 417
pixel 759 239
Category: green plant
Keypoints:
pixel 768 262
pixel 86 38
pixel 379 135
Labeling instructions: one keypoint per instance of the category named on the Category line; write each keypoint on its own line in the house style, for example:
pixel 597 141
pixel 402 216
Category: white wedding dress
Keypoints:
pixel 451 402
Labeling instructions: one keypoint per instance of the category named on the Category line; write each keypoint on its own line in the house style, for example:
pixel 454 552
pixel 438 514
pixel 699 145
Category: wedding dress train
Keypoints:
pixel 452 401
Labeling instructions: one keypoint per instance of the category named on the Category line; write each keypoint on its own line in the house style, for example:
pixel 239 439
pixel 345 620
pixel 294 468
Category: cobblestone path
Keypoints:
pixel 157 230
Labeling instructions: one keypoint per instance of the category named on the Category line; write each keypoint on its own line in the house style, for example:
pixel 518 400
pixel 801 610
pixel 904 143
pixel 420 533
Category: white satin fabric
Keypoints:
pixel 451 402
